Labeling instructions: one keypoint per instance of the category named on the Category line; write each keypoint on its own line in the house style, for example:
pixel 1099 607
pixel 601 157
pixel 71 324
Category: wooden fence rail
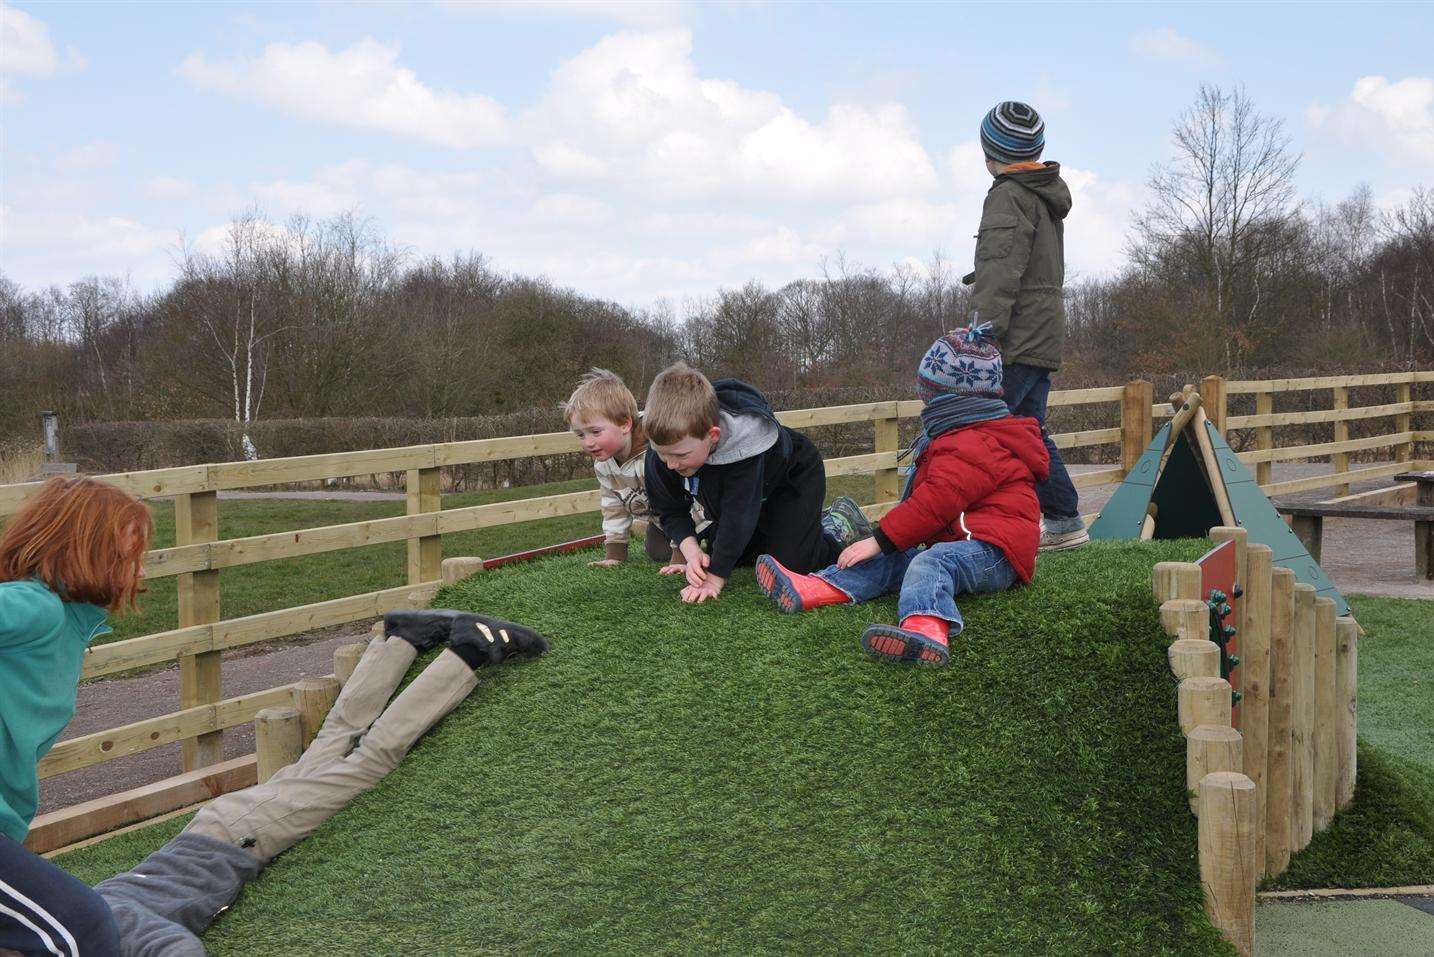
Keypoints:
pixel 199 554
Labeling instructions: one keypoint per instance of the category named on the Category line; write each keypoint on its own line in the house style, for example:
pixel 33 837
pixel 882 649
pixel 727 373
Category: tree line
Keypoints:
pixel 1227 269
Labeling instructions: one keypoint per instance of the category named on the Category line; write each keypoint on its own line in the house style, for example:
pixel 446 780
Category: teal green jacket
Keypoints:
pixel 42 650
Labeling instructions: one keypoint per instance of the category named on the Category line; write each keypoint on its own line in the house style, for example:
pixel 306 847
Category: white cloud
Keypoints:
pixel 1394 119
pixel 60 247
pixel 633 111
pixel 27 47
pixel 636 13
pixel 1165 45
pixel 1099 221
pixel 363 87
pixel 169 187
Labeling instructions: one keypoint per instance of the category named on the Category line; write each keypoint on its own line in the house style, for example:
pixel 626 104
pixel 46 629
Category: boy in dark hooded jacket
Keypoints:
pixel 1020 272
pixel 760 483
pixel 968 520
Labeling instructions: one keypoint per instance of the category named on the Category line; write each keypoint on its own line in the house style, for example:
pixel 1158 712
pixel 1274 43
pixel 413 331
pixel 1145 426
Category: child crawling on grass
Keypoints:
pixel 968 520
pixel 718 445
pixel 603 414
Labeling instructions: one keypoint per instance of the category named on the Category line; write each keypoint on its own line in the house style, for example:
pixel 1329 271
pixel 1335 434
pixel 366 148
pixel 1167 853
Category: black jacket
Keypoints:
pixel 731 494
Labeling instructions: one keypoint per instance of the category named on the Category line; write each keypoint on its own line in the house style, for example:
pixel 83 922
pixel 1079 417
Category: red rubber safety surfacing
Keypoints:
pixel 1218 569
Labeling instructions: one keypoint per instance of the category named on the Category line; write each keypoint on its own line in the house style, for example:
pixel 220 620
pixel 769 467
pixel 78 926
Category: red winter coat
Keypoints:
pixel 978 481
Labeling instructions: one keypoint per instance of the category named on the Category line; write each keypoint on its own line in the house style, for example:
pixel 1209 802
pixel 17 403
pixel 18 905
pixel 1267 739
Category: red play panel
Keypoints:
pixel 1217 574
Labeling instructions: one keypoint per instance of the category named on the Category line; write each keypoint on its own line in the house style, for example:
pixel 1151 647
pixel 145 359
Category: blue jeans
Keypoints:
pixel 44 910
pixel 929 579
pixel 1027 388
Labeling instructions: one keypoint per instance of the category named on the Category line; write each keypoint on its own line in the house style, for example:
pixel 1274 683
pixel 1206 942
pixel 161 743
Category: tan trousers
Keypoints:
pixel 270 818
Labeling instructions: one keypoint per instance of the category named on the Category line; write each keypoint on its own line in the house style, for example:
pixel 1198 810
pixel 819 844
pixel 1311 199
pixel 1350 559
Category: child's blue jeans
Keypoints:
pixel 929 579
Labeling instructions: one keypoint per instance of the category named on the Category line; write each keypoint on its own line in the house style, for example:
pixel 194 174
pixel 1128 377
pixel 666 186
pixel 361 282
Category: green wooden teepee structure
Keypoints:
pixel 1189 482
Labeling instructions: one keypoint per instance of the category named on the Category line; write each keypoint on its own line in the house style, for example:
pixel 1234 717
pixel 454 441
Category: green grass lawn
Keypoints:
pixel 721 778
pixel 270 586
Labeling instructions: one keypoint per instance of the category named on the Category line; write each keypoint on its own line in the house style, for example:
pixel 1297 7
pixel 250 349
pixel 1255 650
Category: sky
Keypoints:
pixel 654 151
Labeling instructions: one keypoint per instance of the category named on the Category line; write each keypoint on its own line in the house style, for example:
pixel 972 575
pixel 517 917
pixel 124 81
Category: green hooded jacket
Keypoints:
pixel 1021 266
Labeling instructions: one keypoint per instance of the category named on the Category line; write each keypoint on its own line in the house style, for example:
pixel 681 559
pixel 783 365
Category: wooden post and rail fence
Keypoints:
pixel 200 555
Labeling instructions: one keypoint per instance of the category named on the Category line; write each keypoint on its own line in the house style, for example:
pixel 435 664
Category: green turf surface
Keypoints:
pixel 270 586
pixel 721 778
pixel 1386 837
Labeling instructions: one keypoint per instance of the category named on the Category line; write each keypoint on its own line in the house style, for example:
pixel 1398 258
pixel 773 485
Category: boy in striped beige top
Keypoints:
pixel 603 414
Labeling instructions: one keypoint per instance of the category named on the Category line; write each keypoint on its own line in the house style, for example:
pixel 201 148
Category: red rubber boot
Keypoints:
pixel 922 639
pixel 793 592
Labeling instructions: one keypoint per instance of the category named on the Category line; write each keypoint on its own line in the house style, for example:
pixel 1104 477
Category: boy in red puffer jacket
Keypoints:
pixel 967 522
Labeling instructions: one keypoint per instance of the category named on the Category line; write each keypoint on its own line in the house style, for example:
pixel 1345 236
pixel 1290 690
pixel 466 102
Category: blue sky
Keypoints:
pixel 643 151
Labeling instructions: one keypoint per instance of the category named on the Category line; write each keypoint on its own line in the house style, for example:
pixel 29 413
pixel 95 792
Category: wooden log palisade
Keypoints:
pixel 1261 789
pixel 200 553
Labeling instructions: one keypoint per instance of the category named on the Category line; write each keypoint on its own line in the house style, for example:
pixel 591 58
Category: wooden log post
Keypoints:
pixel 1194 658
pixel 196 520
pixel 887 438
pixel 1279 765
pixel 1203 701
pixel 1185 618
pixel 278 740
pixel 1227 855
pixel 1326 721
pixel 1210 748
pixel 1302 728
pixel 425 553
pixel 346 659
pixel 1404 422
pixel 1255 682
pixel 1215 401
pixel 1346 666
pixel 313 697
pixel 1176 580
pixel 1264 436
pixel 1137 422
pixel 457 569
pixel 1341 434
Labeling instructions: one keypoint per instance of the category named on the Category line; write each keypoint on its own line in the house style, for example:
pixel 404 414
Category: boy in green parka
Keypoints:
pixel 1020 270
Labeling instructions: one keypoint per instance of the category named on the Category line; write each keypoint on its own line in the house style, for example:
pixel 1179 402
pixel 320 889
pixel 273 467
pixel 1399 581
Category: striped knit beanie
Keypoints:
pixel 1013 133
pixel 964 362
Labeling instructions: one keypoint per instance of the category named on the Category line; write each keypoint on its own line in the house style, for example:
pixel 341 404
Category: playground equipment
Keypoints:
pixel 1270 723
pixel 1188 481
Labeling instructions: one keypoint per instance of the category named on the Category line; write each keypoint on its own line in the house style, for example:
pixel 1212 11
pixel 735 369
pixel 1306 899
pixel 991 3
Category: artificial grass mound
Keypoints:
pixel 722 778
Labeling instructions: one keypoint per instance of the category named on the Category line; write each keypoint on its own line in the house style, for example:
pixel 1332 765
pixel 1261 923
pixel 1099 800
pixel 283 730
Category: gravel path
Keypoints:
pixel 1361 557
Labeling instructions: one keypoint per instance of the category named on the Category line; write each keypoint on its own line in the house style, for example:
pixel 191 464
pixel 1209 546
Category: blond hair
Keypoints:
pixel 602 393
pixel 680 404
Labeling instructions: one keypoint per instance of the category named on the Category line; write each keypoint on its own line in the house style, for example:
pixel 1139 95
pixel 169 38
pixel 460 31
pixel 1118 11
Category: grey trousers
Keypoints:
pixel 174 894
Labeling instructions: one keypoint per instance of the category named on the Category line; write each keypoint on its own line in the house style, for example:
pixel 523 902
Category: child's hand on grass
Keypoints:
pixel 605 563
pixel 710 588
pixel 696 569
pixel 858 552
pixel 674 569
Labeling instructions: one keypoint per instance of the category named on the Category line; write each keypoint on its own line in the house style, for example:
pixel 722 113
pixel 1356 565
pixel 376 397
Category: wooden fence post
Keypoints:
pixel 278 740
pixel 1404 422
pixel 346 659
pixel 887 438
pixel 1137 422
pixel 1302 734
pixel 196 520
pixel 425 553
pixel 1185 618
pixel 1227 856
pixel 1193 658
pixel 1326 723
pixel 1341 434
pixel 1279 794
pixel 1346 699
pixel 1203 701
pixel 1255 681
pixel 313 697
pixel 1214 401
pixel 1176 580
pixel 1264 435
pixel 1210 748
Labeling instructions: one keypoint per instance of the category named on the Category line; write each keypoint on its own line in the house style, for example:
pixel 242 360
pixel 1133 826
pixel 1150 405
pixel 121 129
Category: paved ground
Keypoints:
pixel 1360 557
pixel 1398 927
